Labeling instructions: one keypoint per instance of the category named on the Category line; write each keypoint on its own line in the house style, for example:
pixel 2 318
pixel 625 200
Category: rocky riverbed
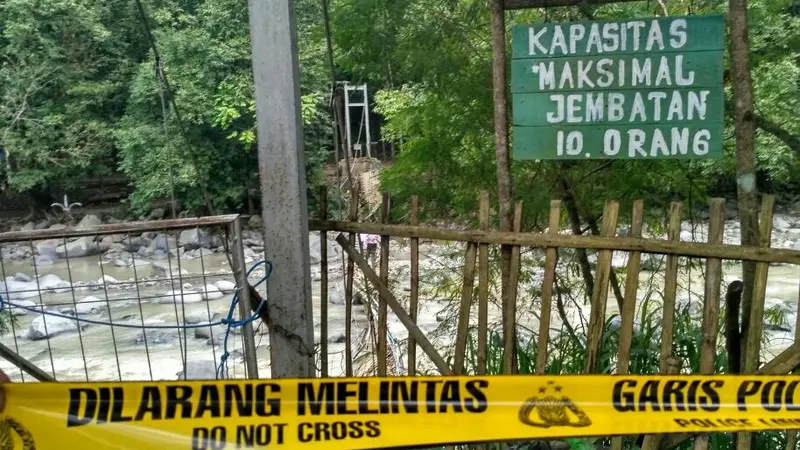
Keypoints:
pixel 184 278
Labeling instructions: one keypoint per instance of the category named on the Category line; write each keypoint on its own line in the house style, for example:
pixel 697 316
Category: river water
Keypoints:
pixel 103 353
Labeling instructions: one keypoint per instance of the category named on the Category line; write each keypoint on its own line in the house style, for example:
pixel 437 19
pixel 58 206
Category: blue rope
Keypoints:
pixel 228 321
pixel 223 359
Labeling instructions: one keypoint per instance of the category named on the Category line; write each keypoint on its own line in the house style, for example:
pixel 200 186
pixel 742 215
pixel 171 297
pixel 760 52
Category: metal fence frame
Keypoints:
pixel 234 230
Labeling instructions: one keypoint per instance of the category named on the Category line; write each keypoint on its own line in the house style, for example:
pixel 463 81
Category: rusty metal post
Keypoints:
pixel 27 366
pixel 245 310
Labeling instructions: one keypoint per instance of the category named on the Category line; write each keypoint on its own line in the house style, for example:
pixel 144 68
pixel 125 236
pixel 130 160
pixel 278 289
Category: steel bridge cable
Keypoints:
pixel 162 78
pixel 228 321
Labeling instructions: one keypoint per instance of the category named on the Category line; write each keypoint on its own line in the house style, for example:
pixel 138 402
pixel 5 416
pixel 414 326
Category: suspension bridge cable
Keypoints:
pixel 171 98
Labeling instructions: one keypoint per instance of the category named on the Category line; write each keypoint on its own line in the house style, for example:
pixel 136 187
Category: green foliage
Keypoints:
pixel 79 97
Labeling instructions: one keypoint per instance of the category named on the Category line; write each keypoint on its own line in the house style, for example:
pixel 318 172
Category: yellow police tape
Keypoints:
pixel 375 413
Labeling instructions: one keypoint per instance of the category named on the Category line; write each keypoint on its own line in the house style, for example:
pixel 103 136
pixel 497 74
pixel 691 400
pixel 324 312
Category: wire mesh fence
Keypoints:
pixel 131 301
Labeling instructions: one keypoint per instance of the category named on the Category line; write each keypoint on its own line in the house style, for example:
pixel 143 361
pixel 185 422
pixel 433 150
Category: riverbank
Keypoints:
pixel 184 278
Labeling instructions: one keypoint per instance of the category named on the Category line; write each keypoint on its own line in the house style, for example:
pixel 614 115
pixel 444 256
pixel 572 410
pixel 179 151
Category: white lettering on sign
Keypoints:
pixel 638 144
pixel 595 107
pixel 631 85
pixel 568 39
pixel 645 72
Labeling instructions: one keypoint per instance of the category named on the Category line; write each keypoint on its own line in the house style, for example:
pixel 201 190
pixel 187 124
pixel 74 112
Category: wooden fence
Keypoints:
pixel 476 254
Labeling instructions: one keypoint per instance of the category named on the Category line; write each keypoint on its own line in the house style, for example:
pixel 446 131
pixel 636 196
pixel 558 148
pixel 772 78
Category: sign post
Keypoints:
pixel 632 89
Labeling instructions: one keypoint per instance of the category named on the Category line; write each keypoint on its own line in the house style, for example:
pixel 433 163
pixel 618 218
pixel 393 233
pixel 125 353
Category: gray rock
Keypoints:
pixel 47 248
pixel 212 292
pixel 652 262
pixel 176 296
pixel 132 243
pixel 163 242
pixel 30 226
pixel 167 270
pixel 89 221
pixel 337 339
pixel 336 295
pixel 43 260
pixel 41 225
pixel 202 316
pixel 22 277
pixel 194 238
pixel 157 214
pixel 85 246
pixel 226 286
pixel 57 226
pixel 200 370
pixel 256 222
pixel 45 327
pixel 315 247
pixel 157 337
pixel 206 332
pixel 20 309
pixel 780 224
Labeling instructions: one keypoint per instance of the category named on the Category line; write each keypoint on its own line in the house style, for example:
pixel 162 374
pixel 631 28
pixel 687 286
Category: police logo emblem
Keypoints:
pixel 552 408
pixel 8 428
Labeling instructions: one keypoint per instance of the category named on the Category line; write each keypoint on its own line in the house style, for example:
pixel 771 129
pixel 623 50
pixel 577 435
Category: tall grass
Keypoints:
pixel 566 353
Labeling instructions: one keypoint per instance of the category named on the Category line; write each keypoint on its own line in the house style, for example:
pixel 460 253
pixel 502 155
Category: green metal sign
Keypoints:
pixel 635 89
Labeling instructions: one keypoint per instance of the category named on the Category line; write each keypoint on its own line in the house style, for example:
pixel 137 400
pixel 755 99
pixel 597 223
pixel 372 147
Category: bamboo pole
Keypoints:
pixel 462 332
pixel 525 239
pixel 708 345
pixel 483 286
pixel 414 294
pixel 510 309
pixel 670 288
pixel 629 305
pixel 547 289
pixel 348 289
pixel 387 296
pixel 323 284
pixel 600 292
pixel 382 312
pixel 672 366
pixel 752 335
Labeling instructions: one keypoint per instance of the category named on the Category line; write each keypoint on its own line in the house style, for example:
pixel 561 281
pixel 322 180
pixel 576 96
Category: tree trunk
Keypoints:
pixel 745 148
pixel 501 139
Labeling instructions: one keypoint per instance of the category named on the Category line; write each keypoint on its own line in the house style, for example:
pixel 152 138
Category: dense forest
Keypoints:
pixel 81 96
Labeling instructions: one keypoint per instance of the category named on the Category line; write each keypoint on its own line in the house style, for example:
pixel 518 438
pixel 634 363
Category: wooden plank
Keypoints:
pixel 600 293
pixel 462 332
pixel 510 309
pixel 540 240
pixel 414 292
pixel 539 109
pixel 697 141
pixel 397 309
pixel 382 312
pixel 524 4
pixel 348 288
pixel 547 289
pixel 628 312
pixel 703 33
pixel 483 286
pixel 711 302
pixel 670 287
pixel 323 284
pixel 753 335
